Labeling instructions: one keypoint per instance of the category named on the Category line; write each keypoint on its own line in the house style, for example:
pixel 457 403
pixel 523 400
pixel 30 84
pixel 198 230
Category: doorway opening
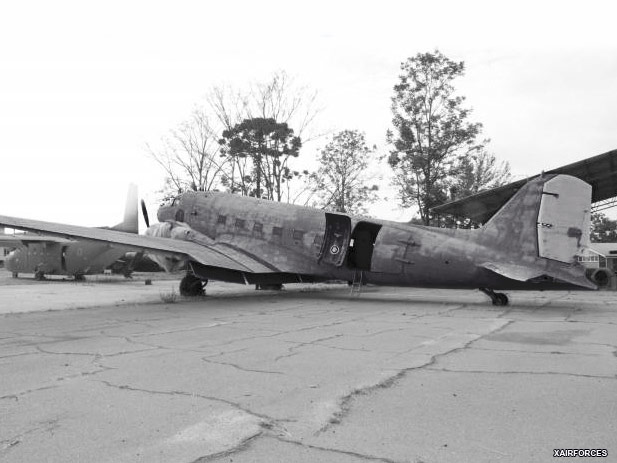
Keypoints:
pixel 362 245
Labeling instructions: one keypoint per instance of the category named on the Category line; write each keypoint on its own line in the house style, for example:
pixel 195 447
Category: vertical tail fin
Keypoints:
pixel 130 224
pixel 538 233
pixel 547 218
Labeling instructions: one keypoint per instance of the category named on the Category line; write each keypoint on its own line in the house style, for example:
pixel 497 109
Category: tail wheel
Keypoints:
pixel 192 286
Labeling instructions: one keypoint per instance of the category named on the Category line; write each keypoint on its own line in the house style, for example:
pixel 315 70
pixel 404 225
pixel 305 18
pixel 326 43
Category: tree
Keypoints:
pixel 603 229
pixel 260 150
pixel 477 172
pixel 342 180
pixel 280 98
pixel 431 131
pixel 190 156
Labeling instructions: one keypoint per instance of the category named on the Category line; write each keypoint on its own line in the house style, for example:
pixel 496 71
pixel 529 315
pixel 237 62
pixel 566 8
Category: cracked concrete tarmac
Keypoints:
pixel 307 374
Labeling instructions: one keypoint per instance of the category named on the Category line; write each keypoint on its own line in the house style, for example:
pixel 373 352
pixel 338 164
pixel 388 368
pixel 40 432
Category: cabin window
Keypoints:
pixel 258 227
pixel 298 235
pixel 240 223
pixel 222 220
pixel 277 231
pixel 180 215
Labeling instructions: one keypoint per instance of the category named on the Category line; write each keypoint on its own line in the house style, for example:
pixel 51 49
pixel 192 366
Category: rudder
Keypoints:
pixel 547 218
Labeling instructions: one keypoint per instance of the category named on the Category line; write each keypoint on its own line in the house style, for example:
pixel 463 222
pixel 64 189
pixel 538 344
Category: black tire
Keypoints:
pixel 192 286
pixel 501 299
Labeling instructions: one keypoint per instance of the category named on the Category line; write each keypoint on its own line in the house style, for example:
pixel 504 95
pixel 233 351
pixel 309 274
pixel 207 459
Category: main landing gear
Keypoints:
pixel 497 298
pixel 192 286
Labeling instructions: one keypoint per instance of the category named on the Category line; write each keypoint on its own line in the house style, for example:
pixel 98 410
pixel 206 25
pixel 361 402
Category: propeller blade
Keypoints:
pixel 144 211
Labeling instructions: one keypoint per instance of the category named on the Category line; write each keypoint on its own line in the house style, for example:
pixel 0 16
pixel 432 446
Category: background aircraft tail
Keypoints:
pixel 130 224
pixel 542 229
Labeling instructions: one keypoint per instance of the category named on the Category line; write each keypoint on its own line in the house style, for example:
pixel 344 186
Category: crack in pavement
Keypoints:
pixel 242 446
pixel 345 401
pixel 361 456
pixel 551 352
pixel 238 367
pixel 298 345
pixel 17 395
pixel 520 372
pixel 267 433
pixel 45 426
pixel 267 420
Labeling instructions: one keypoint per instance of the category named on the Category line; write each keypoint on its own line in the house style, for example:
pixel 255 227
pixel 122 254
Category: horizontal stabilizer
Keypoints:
pixel 513 271
pixel 553 271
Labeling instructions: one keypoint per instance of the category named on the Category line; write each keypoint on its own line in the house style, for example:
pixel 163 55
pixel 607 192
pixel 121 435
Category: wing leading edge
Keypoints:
pixel 208 255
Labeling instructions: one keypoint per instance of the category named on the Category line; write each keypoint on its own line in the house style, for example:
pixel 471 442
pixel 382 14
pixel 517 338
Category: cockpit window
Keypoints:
pixel 179 215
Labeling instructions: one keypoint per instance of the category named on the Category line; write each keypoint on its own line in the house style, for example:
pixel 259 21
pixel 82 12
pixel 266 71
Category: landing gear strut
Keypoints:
pixel 497 298
pixel 192 286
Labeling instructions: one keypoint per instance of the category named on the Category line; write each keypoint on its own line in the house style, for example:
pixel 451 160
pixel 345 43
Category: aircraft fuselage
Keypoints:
pixel 77 258
pixel 305 243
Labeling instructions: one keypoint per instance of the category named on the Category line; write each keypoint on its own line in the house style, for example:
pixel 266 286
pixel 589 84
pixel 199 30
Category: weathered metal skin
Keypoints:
pixel 289 240
pixel 78 258
pixel 45 255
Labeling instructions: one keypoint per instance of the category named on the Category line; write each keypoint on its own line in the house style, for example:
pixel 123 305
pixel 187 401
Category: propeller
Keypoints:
pixel 144 211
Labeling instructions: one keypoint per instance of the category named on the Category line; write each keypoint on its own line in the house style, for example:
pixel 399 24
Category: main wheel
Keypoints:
pixel 500 299
pixel 192 286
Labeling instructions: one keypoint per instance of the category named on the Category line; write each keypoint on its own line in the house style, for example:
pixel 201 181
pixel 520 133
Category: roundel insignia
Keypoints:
pixel 334 249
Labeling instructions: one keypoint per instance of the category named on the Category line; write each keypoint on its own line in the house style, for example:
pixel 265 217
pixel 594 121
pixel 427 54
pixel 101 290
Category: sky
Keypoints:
pixel 85 86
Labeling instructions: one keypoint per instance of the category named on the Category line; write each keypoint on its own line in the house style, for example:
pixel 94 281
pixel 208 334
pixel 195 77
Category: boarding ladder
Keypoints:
pixel 356 284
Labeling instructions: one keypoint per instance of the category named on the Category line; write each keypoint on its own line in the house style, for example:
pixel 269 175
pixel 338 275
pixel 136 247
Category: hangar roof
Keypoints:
pixel 604 249
pixel 599 171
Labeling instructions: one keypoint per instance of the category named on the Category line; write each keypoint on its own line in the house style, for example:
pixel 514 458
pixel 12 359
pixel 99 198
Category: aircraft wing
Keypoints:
pixel 599 171
pixel 8 241
pixel 208 255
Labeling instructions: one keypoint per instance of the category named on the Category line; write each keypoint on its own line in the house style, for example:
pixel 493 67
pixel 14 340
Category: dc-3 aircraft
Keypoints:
pixel 531 242
pixel 56 255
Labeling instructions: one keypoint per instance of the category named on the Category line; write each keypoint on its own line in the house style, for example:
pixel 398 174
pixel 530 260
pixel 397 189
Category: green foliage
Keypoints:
pixel 342 179
pixel 603 229
pixel 478 172
pixel 259 150
pixel 432 138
